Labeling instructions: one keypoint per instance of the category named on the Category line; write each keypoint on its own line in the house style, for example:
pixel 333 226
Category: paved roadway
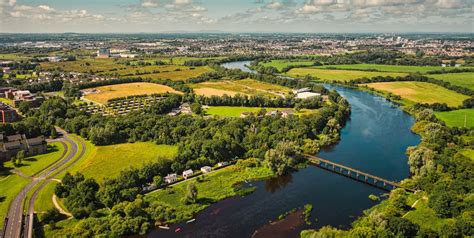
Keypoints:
pixel 15 213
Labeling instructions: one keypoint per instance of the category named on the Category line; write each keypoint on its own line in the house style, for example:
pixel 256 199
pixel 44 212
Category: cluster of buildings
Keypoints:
pixel 104 53
pixel 18 96
pixel 8 114
pixel 11 145
pixel 171 178
pixel 185 108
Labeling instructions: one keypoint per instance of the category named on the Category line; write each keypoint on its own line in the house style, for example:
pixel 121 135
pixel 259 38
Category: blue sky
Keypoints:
pixel 236 15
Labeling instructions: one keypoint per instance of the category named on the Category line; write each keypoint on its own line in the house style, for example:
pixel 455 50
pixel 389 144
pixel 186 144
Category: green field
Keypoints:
pixel 228 111
pixel 34 164
pixel 44 200
pixel 425 217
pixel 244 87
pixel 387 68
pixel 177 75
pixel 10 186
pixel 468 153
pixel 460 79
pixel 338 75
pixel 216 186
pixel 421 92
pixel 457 118
pixel 281 64
pixel 108 161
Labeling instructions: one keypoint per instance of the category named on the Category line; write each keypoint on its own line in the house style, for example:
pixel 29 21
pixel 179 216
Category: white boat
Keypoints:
pixel 192 220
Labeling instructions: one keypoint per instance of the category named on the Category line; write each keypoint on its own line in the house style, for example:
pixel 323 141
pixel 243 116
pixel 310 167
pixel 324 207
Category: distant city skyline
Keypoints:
pixel 313 16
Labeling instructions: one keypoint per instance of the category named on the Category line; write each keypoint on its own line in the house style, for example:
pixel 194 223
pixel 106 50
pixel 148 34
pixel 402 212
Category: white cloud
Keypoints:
pixel 149 4
pixel 274 5
pixel 12 2
pixel 46 8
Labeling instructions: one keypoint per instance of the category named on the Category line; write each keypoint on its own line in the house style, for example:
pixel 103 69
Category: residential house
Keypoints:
pixel 11 145
pixel 206 169
pixel 187 173
pixel 171 178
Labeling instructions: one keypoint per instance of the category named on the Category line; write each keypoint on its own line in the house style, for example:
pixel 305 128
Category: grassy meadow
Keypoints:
pixel 281 64
pixel 421 92
pixel 465 80
pixel 214 187
pixel 108 161
pixel 457 118
pixel 244 87
pixel 180 73
pixel 128 89
pixel 338 75
pixel 10 186
pixel 229 111
pixel 387 68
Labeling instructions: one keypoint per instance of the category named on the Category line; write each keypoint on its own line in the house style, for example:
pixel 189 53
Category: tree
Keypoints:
pixel 420 160
pixel 196 108
pixel 24 107
pixel 158 181
pixel 51 216
pixel 191 193
pixel 283 157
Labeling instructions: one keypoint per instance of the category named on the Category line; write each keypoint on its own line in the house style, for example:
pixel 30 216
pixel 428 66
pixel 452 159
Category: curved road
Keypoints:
pixel 15 213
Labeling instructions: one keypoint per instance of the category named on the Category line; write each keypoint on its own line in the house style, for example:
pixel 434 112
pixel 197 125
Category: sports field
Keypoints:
pixel 460 79
pixel 105 93
pixel 387 68
pixel 338 75
pixel 421 92
pixel 281 64
pixel 108 161
pixel 457 118
pixel 244 87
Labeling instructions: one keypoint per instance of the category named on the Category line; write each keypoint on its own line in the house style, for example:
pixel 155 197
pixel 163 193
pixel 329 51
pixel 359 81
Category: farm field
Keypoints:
pixel 281 64
pixel 421 92
pixel 106 93
pixel 85 65
pixel 387 68
pixel 457 118
pixel 460 79
pixel 108 161
pixel 214 187
pixel 228 111
pixel 338 75
pixel 34 164
pixel 245 87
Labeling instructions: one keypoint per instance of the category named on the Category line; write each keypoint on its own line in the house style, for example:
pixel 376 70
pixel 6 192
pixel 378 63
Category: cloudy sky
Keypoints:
pixel 236 15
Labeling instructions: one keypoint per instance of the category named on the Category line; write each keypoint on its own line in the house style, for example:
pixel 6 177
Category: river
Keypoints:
pixel 374 140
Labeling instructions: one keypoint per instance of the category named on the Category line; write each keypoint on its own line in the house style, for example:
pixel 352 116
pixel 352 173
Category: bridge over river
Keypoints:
pixel 355 174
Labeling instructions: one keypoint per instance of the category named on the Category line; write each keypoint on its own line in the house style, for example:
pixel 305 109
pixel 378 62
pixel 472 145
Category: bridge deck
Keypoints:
pixel 319 162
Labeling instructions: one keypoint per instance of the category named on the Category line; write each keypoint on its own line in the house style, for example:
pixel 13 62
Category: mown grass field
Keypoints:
pixel 128 89
pixel 245 87
pixel 421 92
pixel 44 200
pixel 387 68
pixel 460 79
pixel 215 186
pixel 10 186
pixel 457 118
pixel 34 164
pixel 281 64
pixel 108 161
pixel 338 75
pixel 227 111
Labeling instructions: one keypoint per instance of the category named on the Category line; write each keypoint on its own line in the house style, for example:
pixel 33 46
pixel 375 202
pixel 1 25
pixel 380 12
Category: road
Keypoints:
pixel 15 213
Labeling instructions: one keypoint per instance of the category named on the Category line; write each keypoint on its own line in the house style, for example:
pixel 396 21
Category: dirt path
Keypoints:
pixel 60 209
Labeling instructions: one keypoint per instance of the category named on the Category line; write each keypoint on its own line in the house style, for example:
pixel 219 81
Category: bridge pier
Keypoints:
pixel 375 181
pixel 366 178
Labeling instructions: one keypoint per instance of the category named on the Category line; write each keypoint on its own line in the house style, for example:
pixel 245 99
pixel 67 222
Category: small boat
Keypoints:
pixel 164 227
pixel 177 229
pixel 192 220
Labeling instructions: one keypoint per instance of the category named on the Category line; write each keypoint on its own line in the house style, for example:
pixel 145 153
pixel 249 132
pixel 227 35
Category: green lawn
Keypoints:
pixel 457 118
pixel 281 64
pixel 6 101
pixel 421 92
pixel 34 164
pixel 468 153
pixel 10 186
pixel 338 75
pixel 460 79
pixel 387 68
pixel 88 150
pixel 216 186
pixel 228 111
pixel 44 200
pixel 108 161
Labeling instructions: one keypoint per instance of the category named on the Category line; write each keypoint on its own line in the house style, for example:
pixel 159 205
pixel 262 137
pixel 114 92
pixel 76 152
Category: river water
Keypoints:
pixel 374 140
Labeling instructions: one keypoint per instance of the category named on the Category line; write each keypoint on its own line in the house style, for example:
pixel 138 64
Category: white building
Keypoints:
pixel 305 95
pixel 187 173
pixel 220 164
pixel 171 178
pixel 206 169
